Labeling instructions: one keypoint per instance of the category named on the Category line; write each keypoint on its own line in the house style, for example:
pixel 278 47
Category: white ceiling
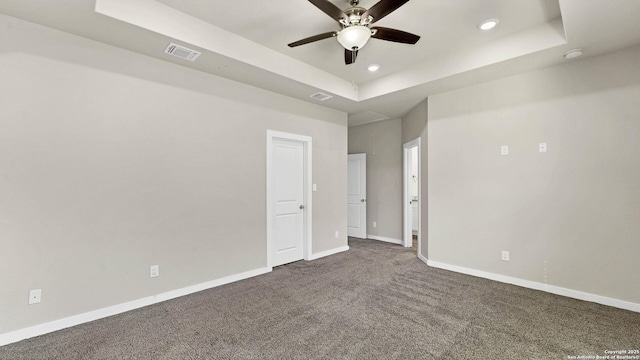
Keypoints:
pixel 443 27
pixel 247 41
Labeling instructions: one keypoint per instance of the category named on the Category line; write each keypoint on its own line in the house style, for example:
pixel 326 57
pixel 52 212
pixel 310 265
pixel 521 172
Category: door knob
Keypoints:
pixel 363 200
pixel 301 207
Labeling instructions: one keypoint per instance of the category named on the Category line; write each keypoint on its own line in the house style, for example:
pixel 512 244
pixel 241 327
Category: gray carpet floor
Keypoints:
pixel 376 301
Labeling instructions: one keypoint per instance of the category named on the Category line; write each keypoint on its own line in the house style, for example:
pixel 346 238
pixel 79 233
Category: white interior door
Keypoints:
pixel 287 173
pixel 357 196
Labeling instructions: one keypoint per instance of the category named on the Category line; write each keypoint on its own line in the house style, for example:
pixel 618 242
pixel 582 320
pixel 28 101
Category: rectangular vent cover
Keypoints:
pixel 321 96
pixel 182 52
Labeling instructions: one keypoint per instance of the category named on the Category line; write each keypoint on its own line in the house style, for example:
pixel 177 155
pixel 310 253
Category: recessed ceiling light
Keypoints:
pixel 572 54
pixel 488 24
pixel 373 67
pixel 321 96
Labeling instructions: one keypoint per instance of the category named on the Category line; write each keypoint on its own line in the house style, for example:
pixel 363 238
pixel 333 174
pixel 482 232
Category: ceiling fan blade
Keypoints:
pixel 314 38
pixel 383 8
pixel 350 56
pixel 400 36
pixel 328 8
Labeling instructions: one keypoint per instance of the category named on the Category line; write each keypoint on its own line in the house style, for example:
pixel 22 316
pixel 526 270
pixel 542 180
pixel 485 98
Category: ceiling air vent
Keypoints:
pixel 182 52
pixel 321 96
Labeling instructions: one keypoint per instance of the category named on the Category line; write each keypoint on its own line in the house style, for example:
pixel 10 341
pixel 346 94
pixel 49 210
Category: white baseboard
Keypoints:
pixel 210 284
pixel 385 239
pixel 41 329
pixel 328 252
pixel 621 304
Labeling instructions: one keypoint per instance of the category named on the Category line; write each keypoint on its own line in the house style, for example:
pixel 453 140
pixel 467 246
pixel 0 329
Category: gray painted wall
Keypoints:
pixel 381 141
pixel 111 162
pixel 569 217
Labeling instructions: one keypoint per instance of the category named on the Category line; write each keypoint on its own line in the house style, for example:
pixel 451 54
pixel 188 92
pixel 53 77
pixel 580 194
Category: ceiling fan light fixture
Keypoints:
pixel 354 37
pixel 354 22
pixel 488 24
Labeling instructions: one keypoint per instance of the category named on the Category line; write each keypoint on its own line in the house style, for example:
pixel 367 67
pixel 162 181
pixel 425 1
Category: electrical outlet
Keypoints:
pixel 505 255
pixel 542 147
pixel 375 224
pixel 35 296
pixel 154 270
pixel 337 234
pixel 504 150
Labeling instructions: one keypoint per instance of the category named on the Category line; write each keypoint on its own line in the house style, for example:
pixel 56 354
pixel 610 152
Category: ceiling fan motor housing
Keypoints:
pixel 354 17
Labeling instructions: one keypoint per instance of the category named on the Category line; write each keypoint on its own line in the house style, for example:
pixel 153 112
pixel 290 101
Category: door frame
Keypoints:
pixel 363 214
pixel 307 187
pixel 406 197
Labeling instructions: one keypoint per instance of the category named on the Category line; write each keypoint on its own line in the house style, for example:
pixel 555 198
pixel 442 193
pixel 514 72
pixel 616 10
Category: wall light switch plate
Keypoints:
pixel 315 187
pixel 542 147
pixel 375 224
pixel 505 255
pixel 504 150
pixel 154 270
pixel 35 296
pixel 337 234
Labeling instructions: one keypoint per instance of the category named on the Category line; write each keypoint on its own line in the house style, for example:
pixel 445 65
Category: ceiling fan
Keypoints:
pixel 355 30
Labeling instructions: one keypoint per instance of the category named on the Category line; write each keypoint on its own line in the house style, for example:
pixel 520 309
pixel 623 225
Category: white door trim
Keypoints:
pixel 307 142
pixel 406 197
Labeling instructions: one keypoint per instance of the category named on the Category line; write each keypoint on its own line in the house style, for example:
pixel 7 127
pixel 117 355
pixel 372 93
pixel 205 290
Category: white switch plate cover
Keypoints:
pixel 154 270
pixel 505 255
pixel 315 187
pixel 542 147
pixel 35 296
pixel 337 234
pixel 375 224
pixel 504 150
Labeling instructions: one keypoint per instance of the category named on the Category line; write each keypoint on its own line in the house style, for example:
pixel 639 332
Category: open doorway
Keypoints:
pixel 411 195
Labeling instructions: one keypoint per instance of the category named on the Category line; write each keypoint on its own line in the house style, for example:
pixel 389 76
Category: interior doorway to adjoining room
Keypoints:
pixel 289 218
pixel 357 196
pixel 411 195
